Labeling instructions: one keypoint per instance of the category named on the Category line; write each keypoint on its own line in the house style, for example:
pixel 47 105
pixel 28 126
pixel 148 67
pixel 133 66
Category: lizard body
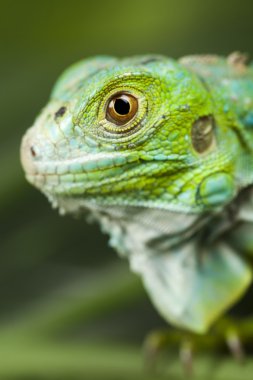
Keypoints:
pixel 161 153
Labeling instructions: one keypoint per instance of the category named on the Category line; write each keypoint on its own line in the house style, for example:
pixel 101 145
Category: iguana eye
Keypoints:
pixel 203 133
pixel 122 107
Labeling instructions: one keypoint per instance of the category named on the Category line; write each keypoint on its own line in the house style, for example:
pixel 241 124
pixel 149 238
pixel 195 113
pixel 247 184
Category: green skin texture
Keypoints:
pixel 80 160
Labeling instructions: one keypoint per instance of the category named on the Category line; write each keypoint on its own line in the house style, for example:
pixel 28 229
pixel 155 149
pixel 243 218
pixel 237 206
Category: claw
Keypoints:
pixel 186 357
pixel 150 349
pixel 153 345
pixel 235 345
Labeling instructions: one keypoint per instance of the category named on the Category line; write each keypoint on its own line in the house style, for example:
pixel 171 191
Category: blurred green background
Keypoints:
pixel 69 308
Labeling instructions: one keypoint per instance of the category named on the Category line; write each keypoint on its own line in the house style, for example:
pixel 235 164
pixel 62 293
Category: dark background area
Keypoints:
pixel 65 297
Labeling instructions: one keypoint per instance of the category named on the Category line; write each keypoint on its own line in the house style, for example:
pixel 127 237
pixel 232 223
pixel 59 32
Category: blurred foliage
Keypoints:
pixel 69 309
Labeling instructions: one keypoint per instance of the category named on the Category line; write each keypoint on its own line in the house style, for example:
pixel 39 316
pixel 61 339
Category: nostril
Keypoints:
pixel 29 152
pixel 32 150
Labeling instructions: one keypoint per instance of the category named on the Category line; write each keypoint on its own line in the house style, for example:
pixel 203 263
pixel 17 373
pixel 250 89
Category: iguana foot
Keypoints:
pixel 226 333
pixel 157 343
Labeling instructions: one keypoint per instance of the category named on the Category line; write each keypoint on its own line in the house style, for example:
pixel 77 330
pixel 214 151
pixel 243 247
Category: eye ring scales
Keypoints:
pixel 121 108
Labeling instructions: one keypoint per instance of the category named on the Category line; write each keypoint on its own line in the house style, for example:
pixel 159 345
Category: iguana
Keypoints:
pixel 160 152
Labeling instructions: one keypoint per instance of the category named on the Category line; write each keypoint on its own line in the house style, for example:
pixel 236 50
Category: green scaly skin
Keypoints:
pixel 172 206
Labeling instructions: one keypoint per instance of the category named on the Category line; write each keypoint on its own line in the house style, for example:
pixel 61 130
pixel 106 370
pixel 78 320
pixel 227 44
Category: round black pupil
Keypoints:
pixel 122 106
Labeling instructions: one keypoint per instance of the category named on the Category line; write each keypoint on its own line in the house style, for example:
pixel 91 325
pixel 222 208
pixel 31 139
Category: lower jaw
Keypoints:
pixel 80 203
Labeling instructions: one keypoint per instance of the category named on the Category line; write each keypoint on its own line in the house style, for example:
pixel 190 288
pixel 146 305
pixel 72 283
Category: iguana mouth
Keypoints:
pixel 95 174
pixel 85 162
pixel 87 169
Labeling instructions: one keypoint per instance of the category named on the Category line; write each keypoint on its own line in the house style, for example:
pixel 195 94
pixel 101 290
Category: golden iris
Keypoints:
pixel 122 107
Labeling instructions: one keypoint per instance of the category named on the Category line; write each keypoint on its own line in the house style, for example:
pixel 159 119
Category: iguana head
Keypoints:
pixel 143 131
